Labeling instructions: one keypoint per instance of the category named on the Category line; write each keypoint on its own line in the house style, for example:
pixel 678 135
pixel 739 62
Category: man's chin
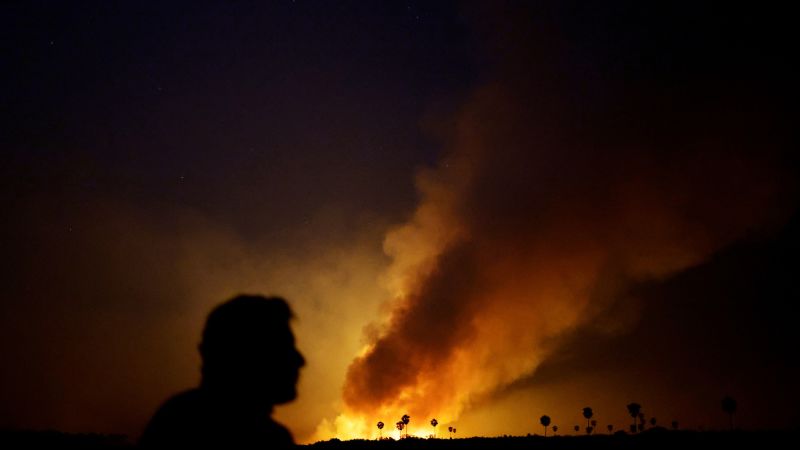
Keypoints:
pixel 286 397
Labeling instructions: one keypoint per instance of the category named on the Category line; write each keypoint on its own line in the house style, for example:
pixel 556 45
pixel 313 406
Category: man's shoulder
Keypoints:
pixel 193 418
pixel 188 402
pixel 187 399
pixel 174 418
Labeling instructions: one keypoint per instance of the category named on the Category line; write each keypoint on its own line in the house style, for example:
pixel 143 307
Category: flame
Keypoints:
pixel 350 425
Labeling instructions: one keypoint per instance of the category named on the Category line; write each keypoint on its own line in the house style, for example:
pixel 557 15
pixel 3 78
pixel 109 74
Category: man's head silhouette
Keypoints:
pixel 249 353
pixel 250 364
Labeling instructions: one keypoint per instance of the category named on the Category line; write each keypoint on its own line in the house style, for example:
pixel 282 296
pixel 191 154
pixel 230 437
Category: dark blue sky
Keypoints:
pixel 241 109
pixel 275 108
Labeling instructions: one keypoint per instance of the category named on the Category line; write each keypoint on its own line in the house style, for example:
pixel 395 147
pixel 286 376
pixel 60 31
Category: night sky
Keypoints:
pixel 480 211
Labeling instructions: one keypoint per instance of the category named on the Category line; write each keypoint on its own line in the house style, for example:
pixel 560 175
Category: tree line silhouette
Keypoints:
pixel 402 425
pixel 634 410
pixel 639 421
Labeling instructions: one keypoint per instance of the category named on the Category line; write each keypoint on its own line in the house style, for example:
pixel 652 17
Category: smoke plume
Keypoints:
pixel 551 202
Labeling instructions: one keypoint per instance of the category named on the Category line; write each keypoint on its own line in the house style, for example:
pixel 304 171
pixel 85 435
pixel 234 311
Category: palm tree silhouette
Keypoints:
pixel 380 429
pixel 405 419
pixel 588 413
pixel 633 410
pixel 653 421
pixel 454 430
pixel 641 421
pixel 729 406
pixel 545 420
pixel 450 430
pixel 610 428
pixel 400 425
pixel 555 429
pixel 577 428
pixel 434 422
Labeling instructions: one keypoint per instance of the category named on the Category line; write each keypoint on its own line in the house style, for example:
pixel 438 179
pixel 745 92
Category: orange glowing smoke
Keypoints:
pixel 525 232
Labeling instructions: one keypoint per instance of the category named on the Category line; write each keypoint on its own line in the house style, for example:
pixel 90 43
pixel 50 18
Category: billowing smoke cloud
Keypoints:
pixel 547 208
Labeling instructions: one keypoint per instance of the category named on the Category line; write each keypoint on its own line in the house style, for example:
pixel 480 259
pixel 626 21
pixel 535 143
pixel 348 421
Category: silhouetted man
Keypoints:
pixel 250 364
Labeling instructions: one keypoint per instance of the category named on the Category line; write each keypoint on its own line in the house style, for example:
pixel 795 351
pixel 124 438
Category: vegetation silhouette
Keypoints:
pixel 406 419
pixel 555 430
pixel 729 406
pixel 380 430
pixel 587 414
pixel 634 410
pixel 434 422
pixel 545 420
pixel 249 365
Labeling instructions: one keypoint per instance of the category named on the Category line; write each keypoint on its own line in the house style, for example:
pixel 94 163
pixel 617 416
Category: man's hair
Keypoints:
pixel 237 322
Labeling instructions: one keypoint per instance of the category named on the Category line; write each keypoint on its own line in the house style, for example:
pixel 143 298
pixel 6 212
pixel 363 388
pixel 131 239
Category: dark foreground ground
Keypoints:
pixel 58 440
pixel 676 440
